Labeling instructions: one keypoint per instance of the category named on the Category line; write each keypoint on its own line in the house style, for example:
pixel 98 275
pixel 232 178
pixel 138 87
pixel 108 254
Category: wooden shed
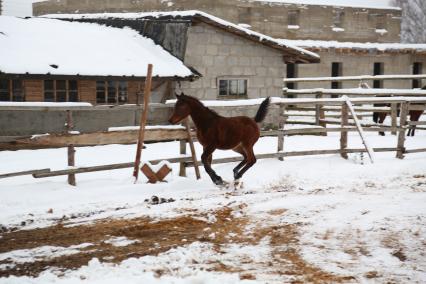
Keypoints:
pixel 57 61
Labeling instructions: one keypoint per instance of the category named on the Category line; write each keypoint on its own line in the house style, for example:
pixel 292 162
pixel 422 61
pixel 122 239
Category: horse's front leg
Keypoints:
pixel 206 158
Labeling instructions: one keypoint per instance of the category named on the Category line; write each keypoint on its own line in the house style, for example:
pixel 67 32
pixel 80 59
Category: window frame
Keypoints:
pixel 338 18
pixel 55 90
pixel 12 91
pixel 293 15
pixel 117 92
pixel 233 78
pixel 381 23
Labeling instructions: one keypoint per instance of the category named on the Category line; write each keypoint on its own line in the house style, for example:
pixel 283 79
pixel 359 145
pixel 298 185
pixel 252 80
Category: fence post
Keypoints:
pixel 280 135
pixel 182 165
pixel 192 147
pixel 344 133
pixel 320 114
pixel 71 150
pixel 394 114
pixel 402 128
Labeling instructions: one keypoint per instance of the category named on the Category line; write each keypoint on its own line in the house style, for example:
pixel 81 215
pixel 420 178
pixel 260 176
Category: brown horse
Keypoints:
pixel 238 133
pixel 379 117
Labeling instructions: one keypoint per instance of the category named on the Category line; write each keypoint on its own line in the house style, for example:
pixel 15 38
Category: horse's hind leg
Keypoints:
pixel 251 160
pixel 241 151
pixel 206 158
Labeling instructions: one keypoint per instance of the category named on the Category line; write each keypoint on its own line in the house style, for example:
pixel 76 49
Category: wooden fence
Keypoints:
pixel 346 125
pixel 323 115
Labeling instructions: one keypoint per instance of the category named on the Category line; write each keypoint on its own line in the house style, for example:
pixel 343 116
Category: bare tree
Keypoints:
pixel 413 20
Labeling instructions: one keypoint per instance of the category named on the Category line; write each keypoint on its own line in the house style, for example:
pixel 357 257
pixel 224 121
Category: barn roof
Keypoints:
pixel 291 52
pixel 41 46
pixel 319 45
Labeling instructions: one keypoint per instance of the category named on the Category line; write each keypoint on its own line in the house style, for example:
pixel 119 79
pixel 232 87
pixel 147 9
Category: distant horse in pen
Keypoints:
pixel 379 117
pixel 238 133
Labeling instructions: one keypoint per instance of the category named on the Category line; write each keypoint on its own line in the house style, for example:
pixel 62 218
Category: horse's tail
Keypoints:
pixel 263 110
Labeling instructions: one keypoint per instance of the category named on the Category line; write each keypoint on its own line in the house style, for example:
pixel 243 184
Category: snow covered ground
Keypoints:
pixel 306 219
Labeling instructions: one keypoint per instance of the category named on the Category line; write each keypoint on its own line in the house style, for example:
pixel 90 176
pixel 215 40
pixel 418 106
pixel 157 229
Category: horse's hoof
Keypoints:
pixel 238 184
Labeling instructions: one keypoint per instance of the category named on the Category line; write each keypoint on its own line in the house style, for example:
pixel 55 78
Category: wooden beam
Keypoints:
pixel 144 117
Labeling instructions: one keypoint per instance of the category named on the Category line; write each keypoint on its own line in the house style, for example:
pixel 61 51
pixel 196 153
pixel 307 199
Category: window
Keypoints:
pixel 11 90
pixel 4 90
pixel 336 71
pixel 293 18
pixel 380 22
pixel 100 92
pixel 338 18
pixel 17 91
pixel 111 92
pixel 60 91
pixel 417 70
pixel 72 91
pixel 233 87
pixel 378 70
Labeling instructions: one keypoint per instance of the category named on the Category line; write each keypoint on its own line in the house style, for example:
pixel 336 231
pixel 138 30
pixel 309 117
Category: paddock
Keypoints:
pixel 348 121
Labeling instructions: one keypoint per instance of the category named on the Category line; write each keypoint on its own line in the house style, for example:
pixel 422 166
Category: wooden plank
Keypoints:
pixel 412 151
pixel 394 114
pixel 416 123
pixel 360 131
pixel 104 138
pixel 144 117
pixel 191 146
pixel 280 135
pixel 182 151
pixel 401 134
pixel 356 78
pixel 23 173
pixel 71 150
pixel 344 133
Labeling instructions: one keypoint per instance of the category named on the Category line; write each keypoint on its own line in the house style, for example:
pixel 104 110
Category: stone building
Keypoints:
pixel 234 62
pixel 340 34
pixel 279 19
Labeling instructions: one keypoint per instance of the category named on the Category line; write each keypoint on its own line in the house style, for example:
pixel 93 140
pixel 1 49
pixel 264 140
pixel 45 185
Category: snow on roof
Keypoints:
pixel 281 44
pixel 385 47
pixel 50 46
pixel 367 4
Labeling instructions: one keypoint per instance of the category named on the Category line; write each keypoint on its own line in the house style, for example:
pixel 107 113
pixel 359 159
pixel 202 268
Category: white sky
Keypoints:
pixel 24 8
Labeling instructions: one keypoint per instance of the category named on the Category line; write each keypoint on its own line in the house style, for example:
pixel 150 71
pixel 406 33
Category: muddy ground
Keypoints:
pixel 158 236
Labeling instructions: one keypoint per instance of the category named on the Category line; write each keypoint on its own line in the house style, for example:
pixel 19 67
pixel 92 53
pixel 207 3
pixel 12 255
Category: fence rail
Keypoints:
pixel 355 78
pixel 317 105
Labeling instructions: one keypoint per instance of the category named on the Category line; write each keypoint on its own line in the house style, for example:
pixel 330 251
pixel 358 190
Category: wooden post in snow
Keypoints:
pixel 320 114
pixel 71 150
pixel 191 145
pixel 394 114
pixel 147 93
pixel 344 133
pixel 402 128
pixel 182 165
pixel 280 146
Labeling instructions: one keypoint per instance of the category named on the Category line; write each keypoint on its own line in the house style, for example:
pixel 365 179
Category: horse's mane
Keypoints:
pixel 199 103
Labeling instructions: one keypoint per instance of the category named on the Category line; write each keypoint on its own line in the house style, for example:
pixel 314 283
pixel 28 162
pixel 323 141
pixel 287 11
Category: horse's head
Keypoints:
pixel 182 109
